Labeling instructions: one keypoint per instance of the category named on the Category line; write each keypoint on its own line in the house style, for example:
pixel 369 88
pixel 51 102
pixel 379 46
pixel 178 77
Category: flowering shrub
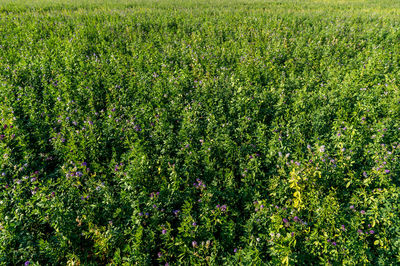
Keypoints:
pixel 199 133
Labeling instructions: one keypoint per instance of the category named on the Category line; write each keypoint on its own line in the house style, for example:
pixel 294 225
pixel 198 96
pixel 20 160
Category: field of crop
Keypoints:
pixel 199 132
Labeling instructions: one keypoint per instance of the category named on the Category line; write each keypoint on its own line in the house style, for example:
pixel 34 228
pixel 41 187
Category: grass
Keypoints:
pixel 199 132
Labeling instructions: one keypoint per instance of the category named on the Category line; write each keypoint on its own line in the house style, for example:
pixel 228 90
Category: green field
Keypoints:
pixel 199 132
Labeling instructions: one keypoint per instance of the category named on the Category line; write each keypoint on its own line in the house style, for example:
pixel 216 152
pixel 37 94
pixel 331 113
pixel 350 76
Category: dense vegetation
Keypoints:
pixel 199 132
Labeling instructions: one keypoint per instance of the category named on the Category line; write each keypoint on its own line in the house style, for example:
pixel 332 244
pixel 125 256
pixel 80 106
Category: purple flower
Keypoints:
pixel 194 244
pixel 194 224
pixel 362 212
pixel 164 231
pixel 223 208
pixel 351 206
pixel 334 243
pixel 235 250
pixel 84 164
pixel 285 220
pixel 372 232
pixel 159 254
pixel 359 231
pixel 387 171
pixel 343 228
pixel 27 263
pixel 140 213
